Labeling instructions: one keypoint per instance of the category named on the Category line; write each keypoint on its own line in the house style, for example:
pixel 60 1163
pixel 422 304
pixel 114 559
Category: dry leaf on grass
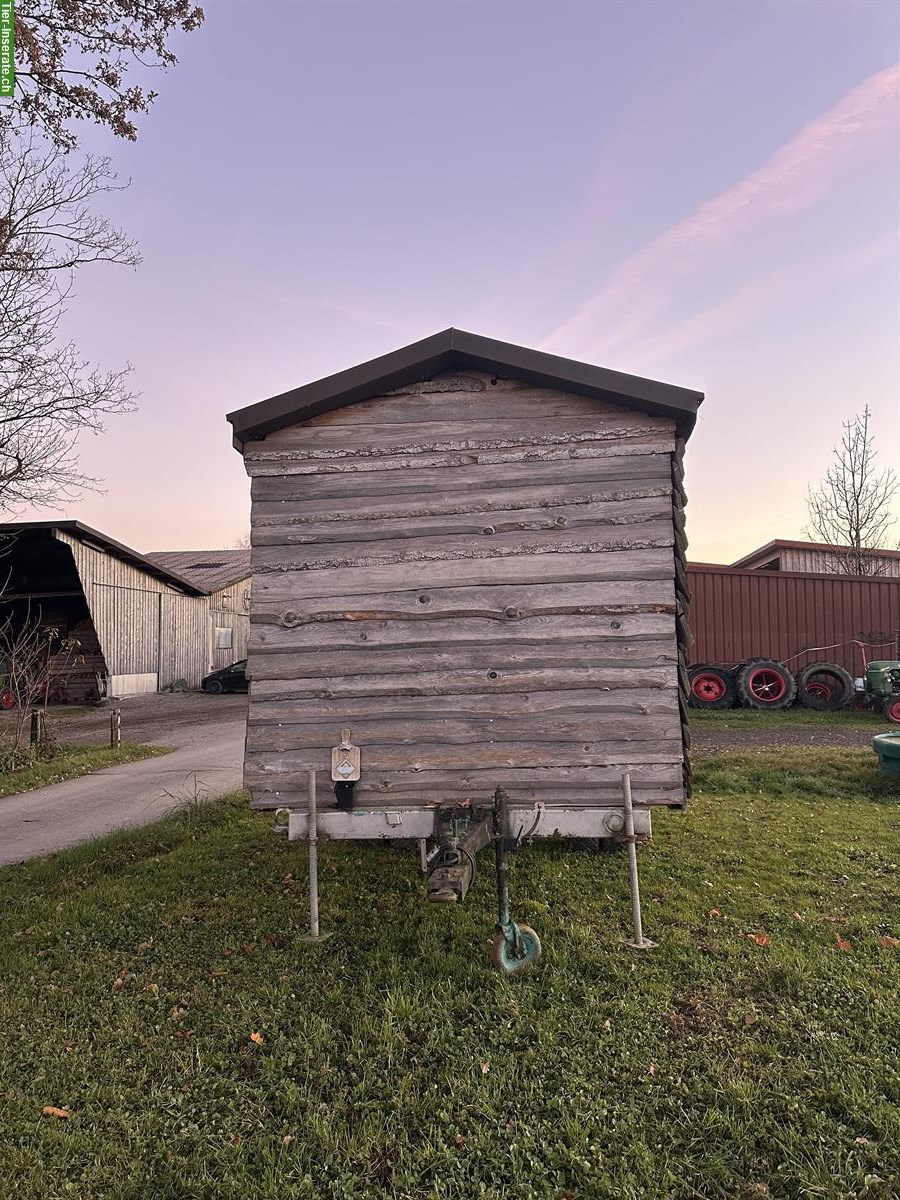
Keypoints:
pixel 49 1110
pixel 485 1067
pixel 761 939
pixel 841 943
pixel 889 943
pixel 257 1037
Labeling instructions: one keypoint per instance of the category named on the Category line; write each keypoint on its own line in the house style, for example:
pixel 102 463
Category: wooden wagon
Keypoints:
pixel 468 599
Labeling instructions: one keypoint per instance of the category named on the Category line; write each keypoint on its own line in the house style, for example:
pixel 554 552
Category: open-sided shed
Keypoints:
pixel 470 554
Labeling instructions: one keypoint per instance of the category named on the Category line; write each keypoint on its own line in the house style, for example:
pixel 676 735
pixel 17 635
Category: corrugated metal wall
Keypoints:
pixel 737 615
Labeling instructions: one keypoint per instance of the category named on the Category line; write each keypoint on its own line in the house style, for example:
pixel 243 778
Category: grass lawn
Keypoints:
pixel 72 761
pixel 155 987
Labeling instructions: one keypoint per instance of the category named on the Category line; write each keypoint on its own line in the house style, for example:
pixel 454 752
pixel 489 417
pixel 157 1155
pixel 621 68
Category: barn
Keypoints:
pixel 471 555
pixel 142 622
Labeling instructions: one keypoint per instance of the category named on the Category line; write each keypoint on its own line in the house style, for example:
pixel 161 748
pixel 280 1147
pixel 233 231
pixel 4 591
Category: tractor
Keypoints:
pixel 881 688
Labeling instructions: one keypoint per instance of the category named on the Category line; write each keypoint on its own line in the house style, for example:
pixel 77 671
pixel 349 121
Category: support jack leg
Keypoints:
pixel 516 947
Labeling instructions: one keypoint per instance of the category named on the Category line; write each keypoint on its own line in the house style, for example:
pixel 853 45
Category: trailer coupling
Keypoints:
pixel 462 831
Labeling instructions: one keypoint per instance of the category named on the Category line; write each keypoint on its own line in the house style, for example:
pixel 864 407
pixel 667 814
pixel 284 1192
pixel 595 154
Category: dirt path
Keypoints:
pixel 712 739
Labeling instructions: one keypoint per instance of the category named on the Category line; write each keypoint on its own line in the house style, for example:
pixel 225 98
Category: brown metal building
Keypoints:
pixel 471 554
pixel 794 617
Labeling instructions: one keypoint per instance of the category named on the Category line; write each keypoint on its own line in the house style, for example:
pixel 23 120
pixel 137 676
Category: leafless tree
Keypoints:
pixel 851 507
pixel 74 58
pixel 34 657
pixel 48 393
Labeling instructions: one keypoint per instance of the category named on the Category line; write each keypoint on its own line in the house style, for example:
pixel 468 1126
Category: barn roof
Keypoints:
pixel 787 544
pixel 454 348
pixel 96 540
pixel 209 570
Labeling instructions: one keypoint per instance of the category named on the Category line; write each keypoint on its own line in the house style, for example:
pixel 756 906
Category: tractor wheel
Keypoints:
pixel 7 699
pixel 891 709
pixel 765 684
pixel 824 686
pixel 711 687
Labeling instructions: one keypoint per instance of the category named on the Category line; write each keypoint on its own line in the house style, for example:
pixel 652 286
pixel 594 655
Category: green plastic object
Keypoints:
pixel 887 747
pixel 515 949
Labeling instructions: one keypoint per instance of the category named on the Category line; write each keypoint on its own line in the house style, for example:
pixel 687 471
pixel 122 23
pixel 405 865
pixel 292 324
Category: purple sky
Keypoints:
pixel 703 193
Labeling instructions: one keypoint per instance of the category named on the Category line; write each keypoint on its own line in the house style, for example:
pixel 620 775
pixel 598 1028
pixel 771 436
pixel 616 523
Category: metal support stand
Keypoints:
pixel 423 855
pixel 640 942
pixel 115 727
pixel 38 732
pixel 515 947
pixel 313 935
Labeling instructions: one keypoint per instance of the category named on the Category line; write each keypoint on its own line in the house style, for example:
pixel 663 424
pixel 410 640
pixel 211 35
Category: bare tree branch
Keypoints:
pixel 851 507
pixel 48 394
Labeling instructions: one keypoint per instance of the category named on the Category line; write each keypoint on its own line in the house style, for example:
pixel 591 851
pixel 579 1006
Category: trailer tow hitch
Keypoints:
pixel 451 871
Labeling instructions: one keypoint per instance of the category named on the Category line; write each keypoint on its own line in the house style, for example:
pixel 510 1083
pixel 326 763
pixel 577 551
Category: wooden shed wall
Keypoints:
pixel 476 576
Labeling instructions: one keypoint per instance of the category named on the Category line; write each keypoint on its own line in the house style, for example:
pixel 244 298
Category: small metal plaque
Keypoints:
pixel 345 760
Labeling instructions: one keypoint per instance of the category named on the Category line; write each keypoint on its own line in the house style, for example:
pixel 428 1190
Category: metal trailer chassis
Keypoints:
pixel 458 832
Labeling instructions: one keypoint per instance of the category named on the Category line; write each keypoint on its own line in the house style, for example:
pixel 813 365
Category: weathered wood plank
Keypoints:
pixel 574 567
pixel 412 437
pixel 564 514
pixel 595 631
pixel 645 793
pixel 318 492
pixel 294 765
pixel 323 462
pixel 360 660
pixel 590 703
pixel 505 400
pixel 443 683
pixel 587 538
pixel 608 597
pixel 375 734
pixel 610 499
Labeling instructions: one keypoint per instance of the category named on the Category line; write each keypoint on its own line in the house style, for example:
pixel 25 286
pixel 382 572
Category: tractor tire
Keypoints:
pixel 891 709
pixel 825 687
pixel 711 687
pixel 764 683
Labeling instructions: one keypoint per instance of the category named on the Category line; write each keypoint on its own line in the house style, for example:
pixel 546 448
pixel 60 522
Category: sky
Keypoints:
pixel 698 192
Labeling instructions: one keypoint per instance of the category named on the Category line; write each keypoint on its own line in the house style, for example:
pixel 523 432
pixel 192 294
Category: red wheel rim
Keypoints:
pixel 7 699
pixel 708 687
pixel 766 685
pixel 893 711
pixel 819 689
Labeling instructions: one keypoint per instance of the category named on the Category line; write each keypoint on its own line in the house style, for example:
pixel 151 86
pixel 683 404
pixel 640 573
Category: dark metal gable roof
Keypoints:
pixel 107 545
pixel 454 348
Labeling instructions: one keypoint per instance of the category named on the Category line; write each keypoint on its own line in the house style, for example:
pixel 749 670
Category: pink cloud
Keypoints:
pixel 761 297
pixel 794 178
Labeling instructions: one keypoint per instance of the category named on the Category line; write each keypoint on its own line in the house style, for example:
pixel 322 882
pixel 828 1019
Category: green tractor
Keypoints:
pixel 881 688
